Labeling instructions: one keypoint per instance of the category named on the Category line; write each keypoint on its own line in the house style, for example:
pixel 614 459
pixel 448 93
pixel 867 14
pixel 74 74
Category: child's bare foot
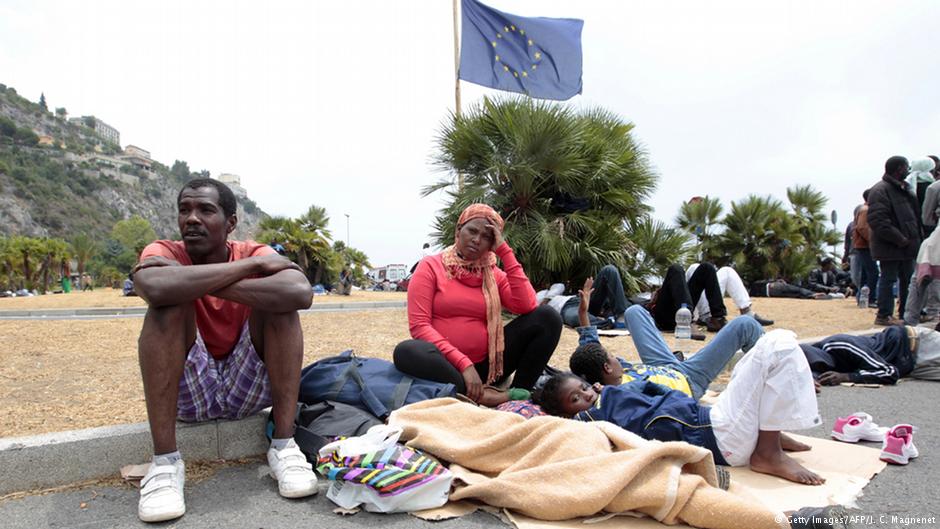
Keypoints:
pixel 792 445
pixel 493 397
pixel 782 465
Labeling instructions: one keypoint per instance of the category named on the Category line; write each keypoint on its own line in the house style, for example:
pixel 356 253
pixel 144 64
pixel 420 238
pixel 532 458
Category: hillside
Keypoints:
pixel 60 177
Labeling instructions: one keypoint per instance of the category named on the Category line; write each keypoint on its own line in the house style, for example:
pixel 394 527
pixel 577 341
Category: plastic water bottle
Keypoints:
pixel 863 297
pixel 684 323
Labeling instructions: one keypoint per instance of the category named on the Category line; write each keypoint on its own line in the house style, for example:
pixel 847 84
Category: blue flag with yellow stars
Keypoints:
pixel 539 57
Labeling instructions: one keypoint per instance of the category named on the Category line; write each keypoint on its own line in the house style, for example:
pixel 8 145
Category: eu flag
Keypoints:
pixel 539 57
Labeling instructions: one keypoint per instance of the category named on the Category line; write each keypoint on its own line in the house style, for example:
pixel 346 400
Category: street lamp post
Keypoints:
pixel 347 229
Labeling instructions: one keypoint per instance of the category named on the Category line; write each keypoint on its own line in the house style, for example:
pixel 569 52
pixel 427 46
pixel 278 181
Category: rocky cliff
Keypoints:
pixel 65 178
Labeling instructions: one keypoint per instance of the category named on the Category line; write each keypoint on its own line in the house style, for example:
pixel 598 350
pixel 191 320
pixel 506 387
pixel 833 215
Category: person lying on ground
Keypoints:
pixel 881 358
pixel 221 340
pixel 828 280
pixel 607 304
pixel 455 303
pixel 592 362
pixel 729 284
pixel 779 288
pixel 771 390
pixel 609 301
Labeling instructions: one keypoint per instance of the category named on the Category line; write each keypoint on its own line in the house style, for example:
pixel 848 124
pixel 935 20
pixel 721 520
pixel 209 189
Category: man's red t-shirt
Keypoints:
pixel 219 321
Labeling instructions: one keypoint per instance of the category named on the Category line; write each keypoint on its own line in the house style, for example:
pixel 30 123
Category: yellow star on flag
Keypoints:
pixel 525 74
pixel 530 42
pixel 538 55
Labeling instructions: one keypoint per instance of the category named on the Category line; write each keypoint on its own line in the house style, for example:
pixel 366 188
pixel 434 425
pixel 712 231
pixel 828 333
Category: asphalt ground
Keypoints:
pixel 240 497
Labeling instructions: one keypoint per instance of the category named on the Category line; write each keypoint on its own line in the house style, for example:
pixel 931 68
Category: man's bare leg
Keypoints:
pixel 279 341
pixel 167 335
pixel 769 458
pixel 790 444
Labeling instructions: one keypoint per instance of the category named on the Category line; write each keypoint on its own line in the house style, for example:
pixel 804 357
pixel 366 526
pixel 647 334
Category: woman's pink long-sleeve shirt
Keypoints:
pixel 451 313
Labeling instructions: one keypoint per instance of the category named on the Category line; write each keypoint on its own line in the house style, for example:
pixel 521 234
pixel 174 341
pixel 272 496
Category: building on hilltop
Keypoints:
pixel 137 157
pixel 104 130
pixel 234 182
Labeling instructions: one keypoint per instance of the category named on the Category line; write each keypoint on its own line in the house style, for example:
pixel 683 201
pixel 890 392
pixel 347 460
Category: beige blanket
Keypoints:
pixel 555 469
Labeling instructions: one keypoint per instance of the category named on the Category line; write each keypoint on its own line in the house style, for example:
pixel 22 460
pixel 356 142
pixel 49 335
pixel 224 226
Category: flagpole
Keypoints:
pixel 457 74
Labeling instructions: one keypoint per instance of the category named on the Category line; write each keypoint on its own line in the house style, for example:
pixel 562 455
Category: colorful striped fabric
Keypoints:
pixel 389 472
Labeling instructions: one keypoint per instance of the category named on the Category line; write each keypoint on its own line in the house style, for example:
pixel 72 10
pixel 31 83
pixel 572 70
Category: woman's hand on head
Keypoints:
pixel 497 233
pixel 474 385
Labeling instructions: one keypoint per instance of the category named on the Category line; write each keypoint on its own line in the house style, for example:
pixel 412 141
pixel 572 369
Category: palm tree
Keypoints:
pixel 764 240
pixel 809 209
pixel 305 239
pixel 657 247
pixel 27 250
pixel 8 258
pixel 566 182
pixel 54 253
pixel 83 248
pixel 700 217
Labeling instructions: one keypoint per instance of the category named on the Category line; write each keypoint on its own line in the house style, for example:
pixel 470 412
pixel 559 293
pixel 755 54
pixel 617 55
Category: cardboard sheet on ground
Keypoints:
pixel 846 467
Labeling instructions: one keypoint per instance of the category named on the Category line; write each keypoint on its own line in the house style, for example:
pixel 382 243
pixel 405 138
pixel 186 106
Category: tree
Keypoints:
pixel 699 217
pixel 180 170
pixel 808 206
pixel 309 248
pixel 55 252
pixel 89 121
pixel 83 249
pixel 764 241
pixel 42 102
pixel 655 247
pixel 61 113
pixel 25 136
pixel 134 233
pixel 27 251
pixel 566 182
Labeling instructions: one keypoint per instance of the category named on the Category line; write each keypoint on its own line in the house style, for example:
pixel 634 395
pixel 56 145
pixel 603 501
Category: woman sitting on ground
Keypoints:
pixel 771 390
pixel 455 303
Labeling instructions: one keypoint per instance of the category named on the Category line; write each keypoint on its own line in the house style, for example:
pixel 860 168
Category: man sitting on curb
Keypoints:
pixel 221 339
pixel 593 363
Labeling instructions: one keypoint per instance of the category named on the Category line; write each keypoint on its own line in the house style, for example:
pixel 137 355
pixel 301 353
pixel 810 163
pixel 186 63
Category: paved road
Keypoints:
pixel 239 498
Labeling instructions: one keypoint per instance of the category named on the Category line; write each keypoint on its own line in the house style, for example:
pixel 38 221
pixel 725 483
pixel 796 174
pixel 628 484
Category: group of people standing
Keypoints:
pixel 891 228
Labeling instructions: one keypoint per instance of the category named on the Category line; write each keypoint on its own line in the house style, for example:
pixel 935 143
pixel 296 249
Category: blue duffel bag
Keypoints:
pixel 371 384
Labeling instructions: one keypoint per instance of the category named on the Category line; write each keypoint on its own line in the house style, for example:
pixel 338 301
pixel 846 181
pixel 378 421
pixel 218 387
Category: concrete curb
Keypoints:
pixel 140 311
pixel 61 458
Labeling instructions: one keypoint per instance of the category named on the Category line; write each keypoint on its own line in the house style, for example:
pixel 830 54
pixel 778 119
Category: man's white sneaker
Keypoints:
pixel 161 492
pixel 857 427
pixel 294 475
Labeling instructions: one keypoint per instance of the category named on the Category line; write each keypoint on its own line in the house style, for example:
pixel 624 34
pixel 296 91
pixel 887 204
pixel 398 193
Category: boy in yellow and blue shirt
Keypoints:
pixel 592 362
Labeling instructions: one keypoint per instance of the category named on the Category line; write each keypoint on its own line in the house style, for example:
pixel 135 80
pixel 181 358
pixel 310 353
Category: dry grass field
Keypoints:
pixel 70 374
pixel 108 297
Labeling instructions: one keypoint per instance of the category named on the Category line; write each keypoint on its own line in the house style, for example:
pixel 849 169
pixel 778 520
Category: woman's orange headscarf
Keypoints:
pixel 457 266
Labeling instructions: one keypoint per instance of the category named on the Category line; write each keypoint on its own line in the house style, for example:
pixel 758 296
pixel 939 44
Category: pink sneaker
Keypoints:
pixel 898 445
pixel 857 427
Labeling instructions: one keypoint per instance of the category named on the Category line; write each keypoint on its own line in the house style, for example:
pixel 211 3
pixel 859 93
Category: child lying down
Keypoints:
pixel 771 390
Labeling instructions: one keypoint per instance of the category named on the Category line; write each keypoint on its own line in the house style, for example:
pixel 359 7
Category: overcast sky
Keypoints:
pixel 338 103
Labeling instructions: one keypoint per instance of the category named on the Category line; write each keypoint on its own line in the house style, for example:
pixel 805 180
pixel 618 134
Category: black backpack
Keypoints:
pixel 315 425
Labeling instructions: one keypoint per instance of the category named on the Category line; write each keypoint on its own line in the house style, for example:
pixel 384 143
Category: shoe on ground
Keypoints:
pixel 714 324
pixel 857 427
pixel 763 321
pixel 697 336
pixel 620 325
pixel 898 447
pixel 161 492
pixel 294 475
pixel 831 517
pixel 888 321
